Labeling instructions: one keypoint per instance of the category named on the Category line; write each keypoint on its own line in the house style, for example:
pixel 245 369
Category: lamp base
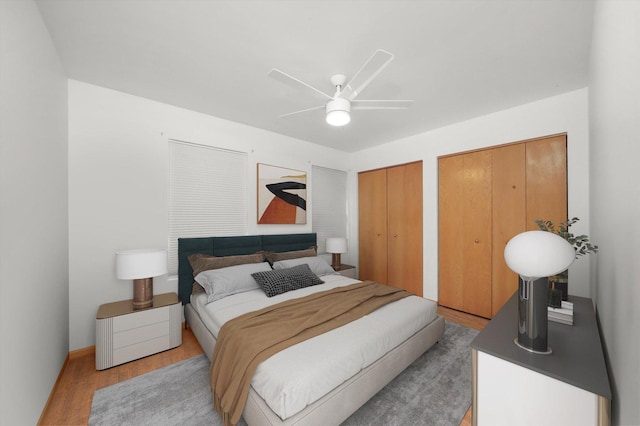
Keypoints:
pixel 335 261
pixel 532 316
pixel 142 293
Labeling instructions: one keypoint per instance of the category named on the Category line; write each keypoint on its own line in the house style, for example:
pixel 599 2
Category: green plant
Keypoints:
pixel 582 246
pixel 580 243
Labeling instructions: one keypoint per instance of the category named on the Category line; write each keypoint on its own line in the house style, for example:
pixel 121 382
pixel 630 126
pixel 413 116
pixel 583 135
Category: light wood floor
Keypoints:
pixel 70 403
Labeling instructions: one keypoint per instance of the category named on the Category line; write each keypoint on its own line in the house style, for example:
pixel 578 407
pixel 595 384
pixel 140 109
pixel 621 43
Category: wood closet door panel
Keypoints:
pixel 404 225
pixel 477 246
pixel 509 213
pixel 546 180
pixel 485 198
pixel 372 225
pixel 450 235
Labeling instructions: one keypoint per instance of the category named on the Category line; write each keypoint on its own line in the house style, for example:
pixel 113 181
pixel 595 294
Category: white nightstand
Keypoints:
pixel 347 271
pixel 124 334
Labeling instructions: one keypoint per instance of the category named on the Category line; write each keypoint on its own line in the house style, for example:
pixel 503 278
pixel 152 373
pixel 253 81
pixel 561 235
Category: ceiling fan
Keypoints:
pixel 339 105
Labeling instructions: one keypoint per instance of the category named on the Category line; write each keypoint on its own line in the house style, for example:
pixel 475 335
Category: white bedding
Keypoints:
pixel 301 374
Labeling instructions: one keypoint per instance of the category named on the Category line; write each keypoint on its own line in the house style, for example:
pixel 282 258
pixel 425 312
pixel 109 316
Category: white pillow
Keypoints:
pixel 317 264
pixel 223 282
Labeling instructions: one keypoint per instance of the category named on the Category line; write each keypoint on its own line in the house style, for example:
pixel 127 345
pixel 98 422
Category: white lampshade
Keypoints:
pixel 537 254
pixel 142 263
pixel 336 245
pixel 338 112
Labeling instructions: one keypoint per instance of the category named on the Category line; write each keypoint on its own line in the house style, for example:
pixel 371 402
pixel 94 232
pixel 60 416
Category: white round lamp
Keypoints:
pixel 537 254
pixel 534 255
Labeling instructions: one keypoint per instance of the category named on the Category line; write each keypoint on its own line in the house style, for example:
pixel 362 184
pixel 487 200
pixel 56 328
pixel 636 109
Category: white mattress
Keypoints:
pixel 301 374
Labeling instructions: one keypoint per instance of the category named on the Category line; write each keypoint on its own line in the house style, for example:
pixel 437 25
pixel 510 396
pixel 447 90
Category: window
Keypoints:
pixel 207 194
pixel 329 200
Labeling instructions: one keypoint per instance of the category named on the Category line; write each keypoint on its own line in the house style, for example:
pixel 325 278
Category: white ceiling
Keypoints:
pixel 457 59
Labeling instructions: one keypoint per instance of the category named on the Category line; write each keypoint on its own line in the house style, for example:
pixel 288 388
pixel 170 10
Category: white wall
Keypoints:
pixel 559 114
pixel 34 323
pixel 118 186
pixel 614 115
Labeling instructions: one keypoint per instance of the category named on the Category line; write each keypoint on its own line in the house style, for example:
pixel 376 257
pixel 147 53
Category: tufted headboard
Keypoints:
pixel 230 246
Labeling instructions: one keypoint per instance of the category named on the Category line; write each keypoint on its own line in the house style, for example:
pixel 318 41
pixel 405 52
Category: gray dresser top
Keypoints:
pixel 577 356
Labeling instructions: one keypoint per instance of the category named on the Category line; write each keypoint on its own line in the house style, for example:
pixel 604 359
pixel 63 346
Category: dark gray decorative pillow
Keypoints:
pixel 284 280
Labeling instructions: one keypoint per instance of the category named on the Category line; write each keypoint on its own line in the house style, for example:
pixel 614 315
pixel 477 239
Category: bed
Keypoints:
pixel 352 385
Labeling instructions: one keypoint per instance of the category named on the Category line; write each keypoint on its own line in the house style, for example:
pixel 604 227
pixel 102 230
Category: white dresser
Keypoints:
pixel 124 334
pixel 569 387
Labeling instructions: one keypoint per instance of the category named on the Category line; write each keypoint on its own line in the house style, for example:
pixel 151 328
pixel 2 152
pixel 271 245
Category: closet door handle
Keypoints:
pixel 476 241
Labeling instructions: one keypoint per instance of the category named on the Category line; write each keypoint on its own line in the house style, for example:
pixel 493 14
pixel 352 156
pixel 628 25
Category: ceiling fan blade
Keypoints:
pixel 381 104
pixel 303 110
pixel 292 81
pixel 368 72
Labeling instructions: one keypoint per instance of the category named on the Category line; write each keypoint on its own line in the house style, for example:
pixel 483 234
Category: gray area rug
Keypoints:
pixel 434 390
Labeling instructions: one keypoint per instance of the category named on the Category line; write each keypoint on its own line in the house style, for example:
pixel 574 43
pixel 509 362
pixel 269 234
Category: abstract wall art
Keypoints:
pixel 282 195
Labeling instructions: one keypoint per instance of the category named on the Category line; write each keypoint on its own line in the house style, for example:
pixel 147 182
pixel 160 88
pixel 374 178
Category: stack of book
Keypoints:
pixel 563 315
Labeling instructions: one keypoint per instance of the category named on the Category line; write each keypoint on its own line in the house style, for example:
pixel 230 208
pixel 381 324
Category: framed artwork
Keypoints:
pixel 282 195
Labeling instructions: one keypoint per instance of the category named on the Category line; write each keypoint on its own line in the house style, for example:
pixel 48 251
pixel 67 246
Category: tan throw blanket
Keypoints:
pixel 244 342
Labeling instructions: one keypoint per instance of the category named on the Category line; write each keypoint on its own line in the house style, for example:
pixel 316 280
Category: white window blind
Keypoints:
pixel 329 202
pixel 207 194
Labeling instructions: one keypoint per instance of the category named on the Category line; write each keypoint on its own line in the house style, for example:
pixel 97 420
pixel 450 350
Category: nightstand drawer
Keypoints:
pixel 140 350
pixel 348 271
pixel 140 319
pixel 134 335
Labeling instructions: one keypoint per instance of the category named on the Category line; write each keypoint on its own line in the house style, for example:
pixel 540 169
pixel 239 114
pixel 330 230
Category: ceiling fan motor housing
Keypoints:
pixel 338 104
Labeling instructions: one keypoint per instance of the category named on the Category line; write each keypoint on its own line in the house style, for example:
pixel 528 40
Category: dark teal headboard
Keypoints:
pixel 230 246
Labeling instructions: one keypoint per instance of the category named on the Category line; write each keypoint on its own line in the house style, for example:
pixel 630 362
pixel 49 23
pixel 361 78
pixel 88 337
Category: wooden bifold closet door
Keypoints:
pixel 372 224
pixel 464 236
pixel 390 226
pixel 485 198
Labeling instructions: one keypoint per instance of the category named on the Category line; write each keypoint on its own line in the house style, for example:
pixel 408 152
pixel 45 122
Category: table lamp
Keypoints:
pixel 534 255
pixel 335 246
pixel 141 266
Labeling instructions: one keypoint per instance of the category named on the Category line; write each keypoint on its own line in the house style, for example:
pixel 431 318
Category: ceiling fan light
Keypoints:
pixel 338 118
pixel 338 112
